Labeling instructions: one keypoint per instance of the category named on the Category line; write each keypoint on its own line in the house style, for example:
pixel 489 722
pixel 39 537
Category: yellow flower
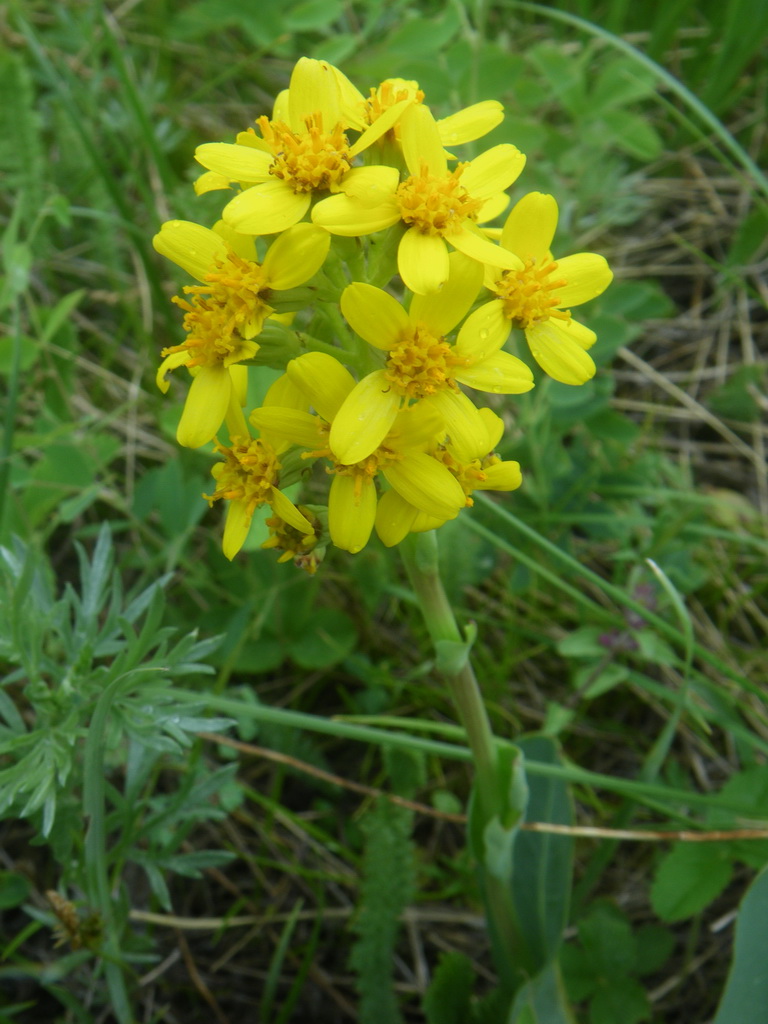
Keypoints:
pixel 421 366
pixel 396 517
pixel 247 479
pixel 301 151
pixel 401 457
pixel 437 206
pixel 251 474
pixel 535 296
pixel 226 312
pixel 464 126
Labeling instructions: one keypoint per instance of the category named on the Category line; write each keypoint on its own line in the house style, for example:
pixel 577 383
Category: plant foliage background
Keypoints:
pixel 207 752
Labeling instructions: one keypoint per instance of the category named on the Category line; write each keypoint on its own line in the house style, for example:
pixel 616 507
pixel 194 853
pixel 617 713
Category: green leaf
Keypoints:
pixel 633 134
pixel 621 82
pixel 14 889
pixel 689 878
pixel 448 997
pixel 326 638
pixel 313 15
pixel 746 990
pixel 608 941
pixel 542 1000
pixel 622 1000
pixel 542 864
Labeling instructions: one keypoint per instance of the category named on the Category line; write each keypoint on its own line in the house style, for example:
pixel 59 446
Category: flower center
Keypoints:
pixel 310 160
pixel 527 293
pixel 225 314
pixel 248 473
pixel 387 95
pixel 469 474
pixel 293 544
pixel 436 205
pixel 421 364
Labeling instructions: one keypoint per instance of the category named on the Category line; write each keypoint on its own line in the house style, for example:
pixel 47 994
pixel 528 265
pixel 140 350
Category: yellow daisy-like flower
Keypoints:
pixel 438 206
pixel 396 517
pixel 226 312
pixel 465 125
pixel 302 150
pixel 401 457
pixel 247 479
pixel 421 366
pixel 250 477
pixel 537 297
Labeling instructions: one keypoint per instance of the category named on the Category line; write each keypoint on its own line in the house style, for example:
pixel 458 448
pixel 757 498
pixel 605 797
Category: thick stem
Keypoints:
pixel 419 553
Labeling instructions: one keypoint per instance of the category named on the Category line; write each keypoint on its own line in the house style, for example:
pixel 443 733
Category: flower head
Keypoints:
pixel 537 297
pixel 485 471
pixel 225 313
pixel 437 206
pixel 421 365
pixel 401 457
pixel 301 151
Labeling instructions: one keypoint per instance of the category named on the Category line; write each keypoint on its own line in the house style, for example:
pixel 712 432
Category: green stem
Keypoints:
pixel 419 553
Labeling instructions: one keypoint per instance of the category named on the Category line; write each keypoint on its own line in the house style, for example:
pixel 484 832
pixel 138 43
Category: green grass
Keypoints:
pixel 620 595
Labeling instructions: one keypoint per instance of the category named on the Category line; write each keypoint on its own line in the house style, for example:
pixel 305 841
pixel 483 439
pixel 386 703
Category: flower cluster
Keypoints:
pixel 345 202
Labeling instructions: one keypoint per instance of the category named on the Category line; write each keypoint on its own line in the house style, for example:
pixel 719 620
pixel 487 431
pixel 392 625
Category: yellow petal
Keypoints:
pixel 364 419
pixel 442 310
pixel 502 476
pixel 470 123
pixel 190 246
pixel 243 245
pixel 426 484
pixel 379 127
pixel 296 255
pixel 324 381
pixel 483 332
pixel 491 209
pixel 500 374
pixel 206 406
pixel 422 261
pixel 581 335
pixel 342 215
pixel 371 186
pixel 289 425
pixel 284 393
pixel 266 209
pixel 394 517
pixel 351 516
pixel 421 143
pixel 494 425
pixel 493 171
pixel 250 138
pixel 280 110
pixel 558 353
pixel 530 226
pixel 484 251
pixel 419 426
pixel 288 511
pixel 587 274
pixel 171 362
pixel 352 101
pixel 374 314
pixel 313 88
pixel 463 423
pixel 422 523
pixel 210 181
pixel 237 163
pixel 236 528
